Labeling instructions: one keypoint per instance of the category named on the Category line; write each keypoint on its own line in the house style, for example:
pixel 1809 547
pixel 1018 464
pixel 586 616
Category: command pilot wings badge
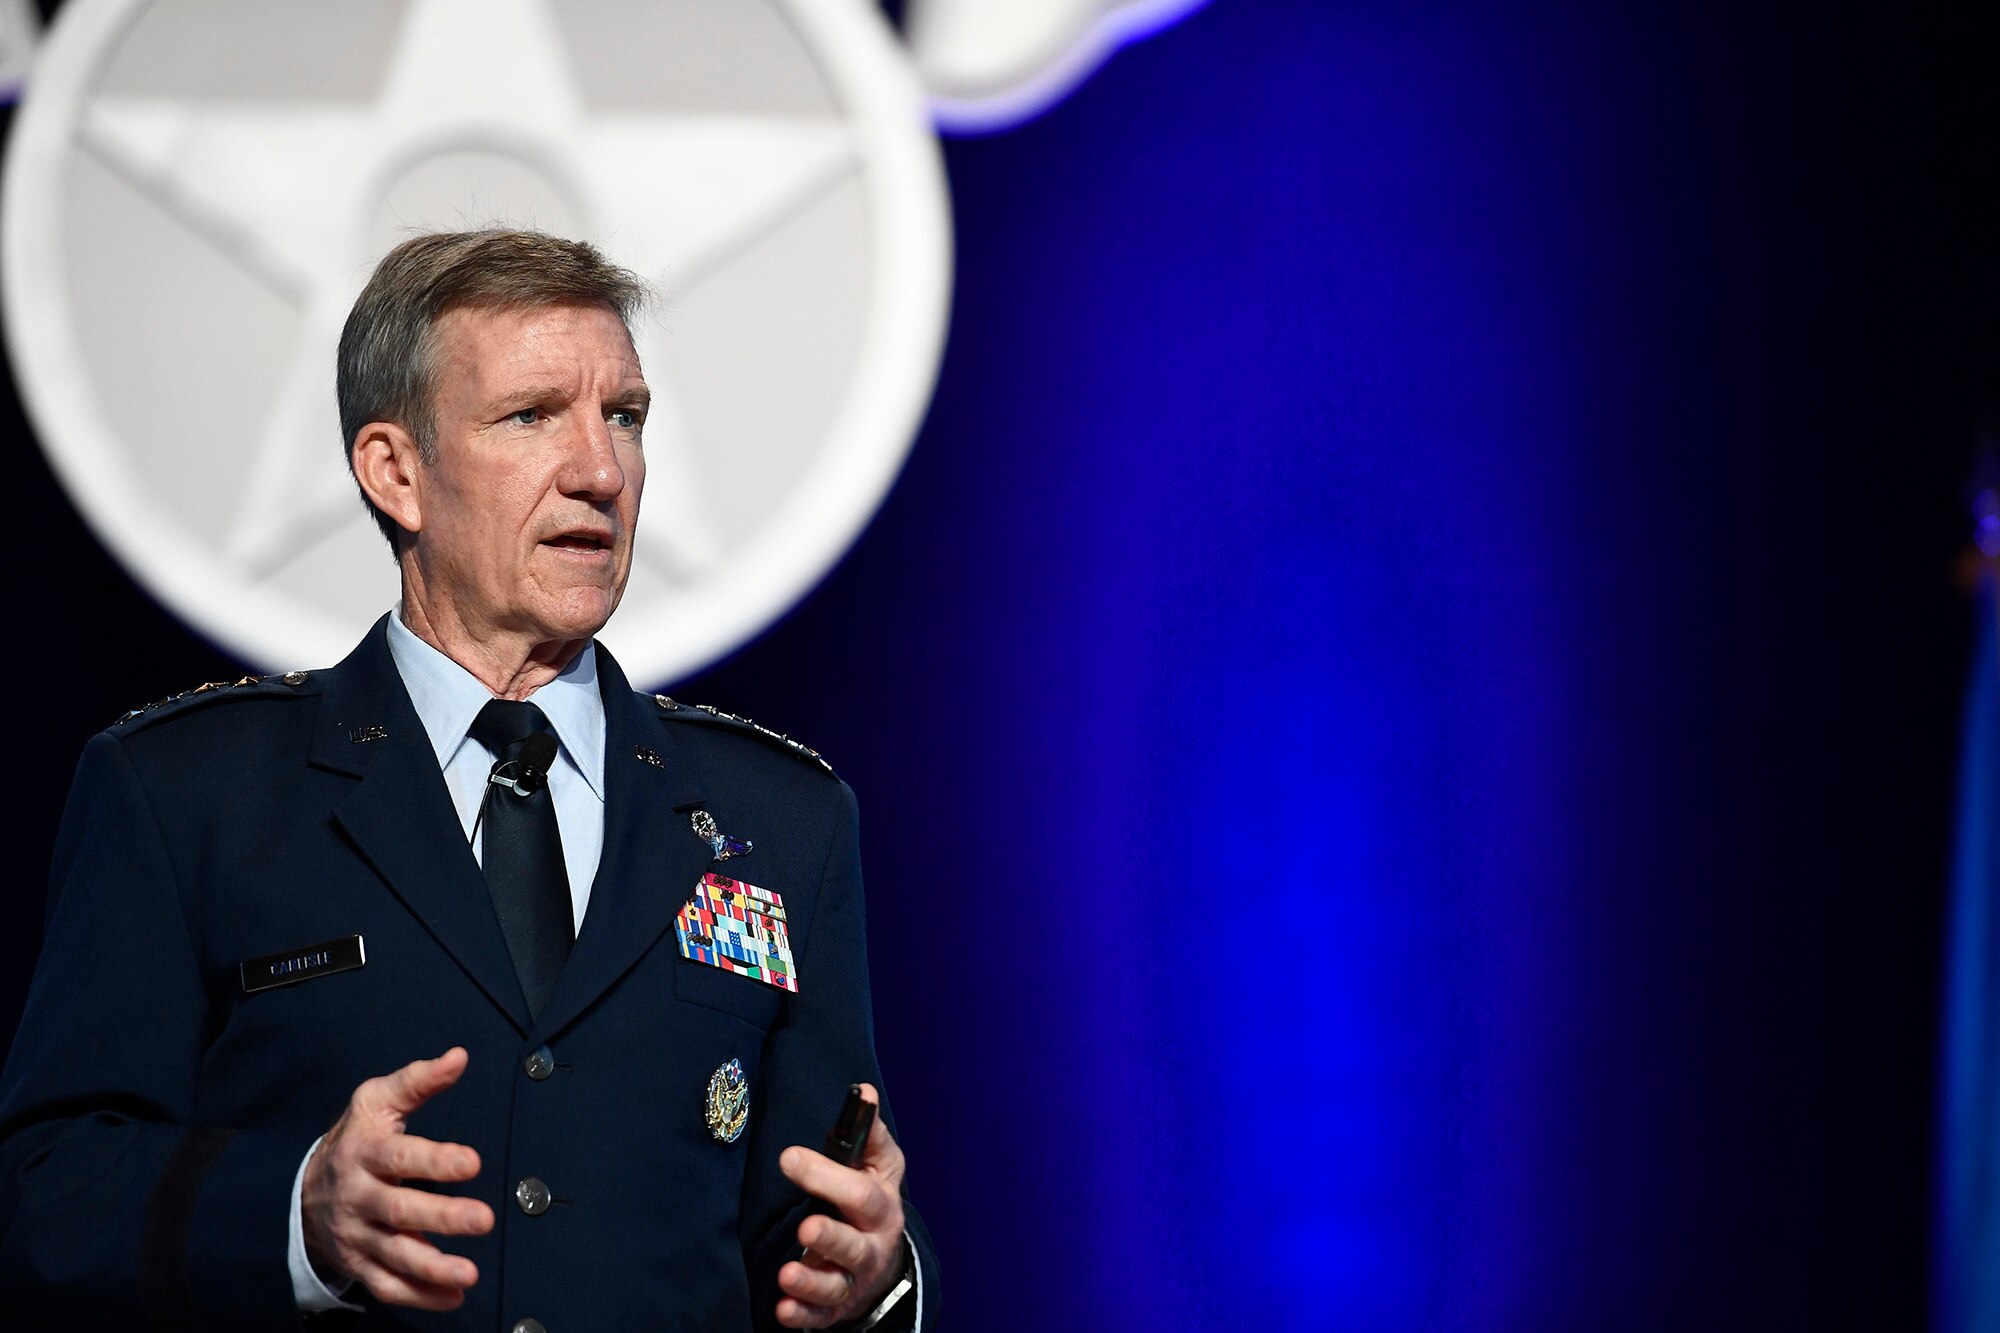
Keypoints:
pixel 739 928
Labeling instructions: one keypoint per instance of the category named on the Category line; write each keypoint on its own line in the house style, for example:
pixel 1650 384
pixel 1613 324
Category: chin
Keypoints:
pixel 578 616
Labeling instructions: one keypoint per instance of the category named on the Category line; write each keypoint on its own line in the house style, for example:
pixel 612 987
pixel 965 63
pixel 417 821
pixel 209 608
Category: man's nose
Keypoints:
pixel 592 470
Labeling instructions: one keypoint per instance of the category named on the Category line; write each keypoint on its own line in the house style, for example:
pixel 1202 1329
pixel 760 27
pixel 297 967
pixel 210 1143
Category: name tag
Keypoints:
pixel 315 960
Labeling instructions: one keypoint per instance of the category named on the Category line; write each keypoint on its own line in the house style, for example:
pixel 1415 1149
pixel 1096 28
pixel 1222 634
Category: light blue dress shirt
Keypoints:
pixel 448 698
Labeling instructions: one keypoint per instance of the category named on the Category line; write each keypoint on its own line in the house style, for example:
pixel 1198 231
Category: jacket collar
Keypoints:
pixel 400 817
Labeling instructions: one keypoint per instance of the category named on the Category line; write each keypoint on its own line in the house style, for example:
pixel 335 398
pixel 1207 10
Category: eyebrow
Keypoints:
pixel 541 393
pixel 638 396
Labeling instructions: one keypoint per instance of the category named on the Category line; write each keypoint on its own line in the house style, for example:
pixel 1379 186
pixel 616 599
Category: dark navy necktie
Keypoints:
pixel 523 856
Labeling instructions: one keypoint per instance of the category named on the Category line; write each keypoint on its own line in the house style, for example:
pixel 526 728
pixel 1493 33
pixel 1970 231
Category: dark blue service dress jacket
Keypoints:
pixel 153 1113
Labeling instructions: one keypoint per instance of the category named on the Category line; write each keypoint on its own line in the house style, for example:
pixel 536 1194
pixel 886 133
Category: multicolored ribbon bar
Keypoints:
pixel 740 928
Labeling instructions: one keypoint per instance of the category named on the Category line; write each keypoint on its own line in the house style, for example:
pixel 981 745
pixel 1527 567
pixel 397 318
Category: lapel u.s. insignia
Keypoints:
pixel 728 1104
pixel 739 928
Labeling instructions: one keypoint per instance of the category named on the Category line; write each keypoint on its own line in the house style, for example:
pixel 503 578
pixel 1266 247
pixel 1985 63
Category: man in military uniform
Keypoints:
pixel 458 985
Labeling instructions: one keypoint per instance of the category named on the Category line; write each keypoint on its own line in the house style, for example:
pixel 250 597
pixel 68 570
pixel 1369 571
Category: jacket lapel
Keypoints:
pixel 651 857
pixel 400 816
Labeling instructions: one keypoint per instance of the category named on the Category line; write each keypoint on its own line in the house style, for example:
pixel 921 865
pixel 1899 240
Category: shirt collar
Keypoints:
pixel 447 698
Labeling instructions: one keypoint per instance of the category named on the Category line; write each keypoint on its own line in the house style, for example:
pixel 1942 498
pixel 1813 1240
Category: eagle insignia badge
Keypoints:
pixel 728 1105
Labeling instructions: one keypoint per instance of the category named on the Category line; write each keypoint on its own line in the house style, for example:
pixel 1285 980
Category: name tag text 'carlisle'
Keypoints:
pixel 315 960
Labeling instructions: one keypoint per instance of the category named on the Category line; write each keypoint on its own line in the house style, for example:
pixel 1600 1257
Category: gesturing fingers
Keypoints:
pixel 398 1094
pixel 816 1284
pixel 861 1196
pixel 404 1270
pixel 832 1242
pixel 360 1221
pixel 395 1289
pixel 850 1260
pixel 411 1157
pixel 797 1314
pixel 419 1261
pixel 400 1266
pixel 397 1208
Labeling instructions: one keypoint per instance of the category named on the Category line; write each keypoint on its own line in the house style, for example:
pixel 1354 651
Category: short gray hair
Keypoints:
pixel 387 369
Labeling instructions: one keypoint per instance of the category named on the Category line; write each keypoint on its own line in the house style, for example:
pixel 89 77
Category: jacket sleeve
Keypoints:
pixel 826 1042
pixel 116 1207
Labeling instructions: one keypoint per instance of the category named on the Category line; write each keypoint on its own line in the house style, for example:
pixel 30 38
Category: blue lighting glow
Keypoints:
pixel 1258 484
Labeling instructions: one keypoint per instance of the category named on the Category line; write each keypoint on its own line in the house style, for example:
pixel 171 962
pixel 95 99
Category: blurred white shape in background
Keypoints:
pixel 988 64
pixel 196 190
pixel 20 28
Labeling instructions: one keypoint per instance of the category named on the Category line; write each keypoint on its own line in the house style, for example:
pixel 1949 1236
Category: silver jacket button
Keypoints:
pixel 533 1196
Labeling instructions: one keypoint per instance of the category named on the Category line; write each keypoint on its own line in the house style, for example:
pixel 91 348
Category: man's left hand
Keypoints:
pixel 852 1259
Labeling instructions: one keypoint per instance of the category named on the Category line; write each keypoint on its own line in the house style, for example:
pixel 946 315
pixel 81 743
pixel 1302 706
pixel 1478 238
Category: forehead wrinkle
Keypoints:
pixel 546 359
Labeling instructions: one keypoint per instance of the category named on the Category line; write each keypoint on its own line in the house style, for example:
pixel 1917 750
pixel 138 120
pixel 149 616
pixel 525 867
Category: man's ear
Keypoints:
pixel 387 466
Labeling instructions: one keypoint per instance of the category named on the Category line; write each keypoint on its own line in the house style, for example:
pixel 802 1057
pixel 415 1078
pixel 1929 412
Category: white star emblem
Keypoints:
pixel 287 192
pixel 481 116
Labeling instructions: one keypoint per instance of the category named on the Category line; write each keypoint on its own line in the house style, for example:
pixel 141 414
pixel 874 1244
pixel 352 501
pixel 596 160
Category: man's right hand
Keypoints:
pixel 361 1222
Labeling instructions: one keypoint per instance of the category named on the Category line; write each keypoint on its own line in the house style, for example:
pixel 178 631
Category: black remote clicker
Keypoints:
pixel 845 1143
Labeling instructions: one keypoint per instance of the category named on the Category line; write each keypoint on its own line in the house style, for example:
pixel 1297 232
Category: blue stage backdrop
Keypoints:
pixel 1403 704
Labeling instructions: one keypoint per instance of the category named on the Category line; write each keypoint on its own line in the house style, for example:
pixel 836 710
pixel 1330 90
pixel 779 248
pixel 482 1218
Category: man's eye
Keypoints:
pixel 625 418
pixel 527 416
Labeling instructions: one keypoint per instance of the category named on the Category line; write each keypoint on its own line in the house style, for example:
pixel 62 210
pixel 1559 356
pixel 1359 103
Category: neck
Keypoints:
pixel 512 665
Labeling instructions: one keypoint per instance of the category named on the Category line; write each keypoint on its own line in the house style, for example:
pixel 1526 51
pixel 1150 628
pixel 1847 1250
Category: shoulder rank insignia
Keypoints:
pixel 667 705
pixel 211 687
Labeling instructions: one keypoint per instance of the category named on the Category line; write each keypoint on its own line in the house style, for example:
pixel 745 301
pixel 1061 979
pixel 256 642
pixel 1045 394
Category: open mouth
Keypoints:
pixel 579 541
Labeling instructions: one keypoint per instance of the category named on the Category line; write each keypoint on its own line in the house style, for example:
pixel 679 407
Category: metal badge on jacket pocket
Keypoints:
pixel 727 1106
pixel 740 928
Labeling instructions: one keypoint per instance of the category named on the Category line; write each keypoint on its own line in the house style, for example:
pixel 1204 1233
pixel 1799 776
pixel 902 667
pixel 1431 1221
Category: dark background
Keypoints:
pixel 1406 702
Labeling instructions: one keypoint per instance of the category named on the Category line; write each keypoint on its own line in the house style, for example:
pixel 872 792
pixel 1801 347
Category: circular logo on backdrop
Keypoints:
pixel 197 189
